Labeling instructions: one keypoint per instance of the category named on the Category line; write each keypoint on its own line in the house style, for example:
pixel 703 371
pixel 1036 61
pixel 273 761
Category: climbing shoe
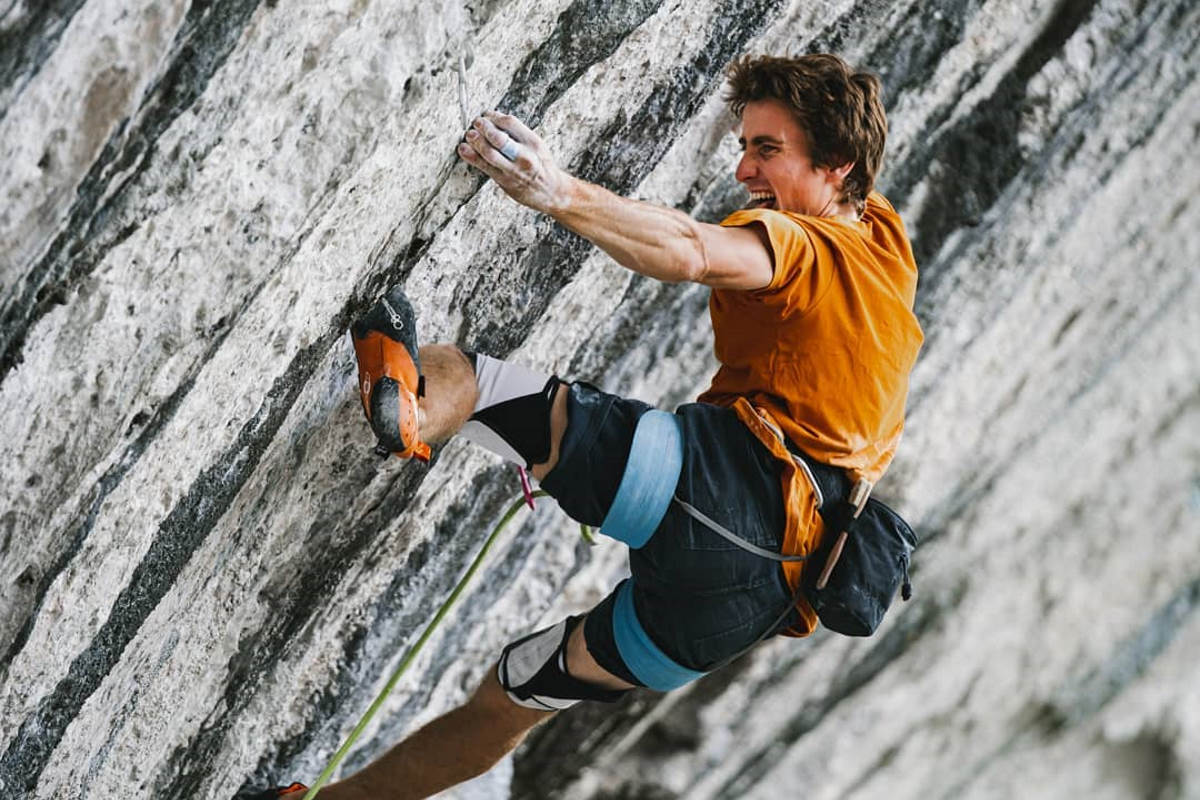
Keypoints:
pixel 389 374
pixel 296 790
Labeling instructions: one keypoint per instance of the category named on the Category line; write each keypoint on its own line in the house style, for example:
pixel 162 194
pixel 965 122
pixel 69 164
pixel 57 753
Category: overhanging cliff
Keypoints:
pixel 207 576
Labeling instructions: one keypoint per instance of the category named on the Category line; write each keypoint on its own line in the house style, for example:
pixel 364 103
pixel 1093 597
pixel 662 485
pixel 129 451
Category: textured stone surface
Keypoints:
pixel 207 577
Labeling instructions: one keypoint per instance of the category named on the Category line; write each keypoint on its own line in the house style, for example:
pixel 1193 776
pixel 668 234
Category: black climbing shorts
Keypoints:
pixel 700 598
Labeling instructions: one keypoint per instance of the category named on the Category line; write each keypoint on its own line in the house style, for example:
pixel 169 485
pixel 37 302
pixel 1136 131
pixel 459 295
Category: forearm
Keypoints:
pixel 656 241
pixel 653 240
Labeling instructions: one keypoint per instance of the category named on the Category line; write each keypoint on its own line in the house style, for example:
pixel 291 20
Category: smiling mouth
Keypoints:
pixel 761 200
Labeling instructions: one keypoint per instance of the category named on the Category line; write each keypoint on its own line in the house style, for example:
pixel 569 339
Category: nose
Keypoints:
pixel 745 168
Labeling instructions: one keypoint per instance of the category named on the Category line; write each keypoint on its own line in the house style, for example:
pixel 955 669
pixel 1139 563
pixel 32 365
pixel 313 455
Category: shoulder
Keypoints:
pixel 880 211
pixel 880 204
pixel 782 227
pixel 887 229
pixel 788 237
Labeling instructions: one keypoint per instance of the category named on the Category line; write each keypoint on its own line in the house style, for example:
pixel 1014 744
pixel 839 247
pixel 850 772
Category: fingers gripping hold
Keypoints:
pixel 511 150
pixel 513 126
pixel 495 137
pixel 516 159
pixel 515 138
pixel 500 140
pixel 489 137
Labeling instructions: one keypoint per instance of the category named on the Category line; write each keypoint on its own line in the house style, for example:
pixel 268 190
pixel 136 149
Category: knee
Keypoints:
pixel 446 358
pixel 450 390
pixel 582 665
pixel 490 695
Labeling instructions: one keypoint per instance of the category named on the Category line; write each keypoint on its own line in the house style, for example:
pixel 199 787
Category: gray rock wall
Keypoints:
pixel 207 577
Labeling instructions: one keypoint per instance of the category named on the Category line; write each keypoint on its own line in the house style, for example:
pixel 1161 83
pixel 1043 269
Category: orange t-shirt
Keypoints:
pixel 824 350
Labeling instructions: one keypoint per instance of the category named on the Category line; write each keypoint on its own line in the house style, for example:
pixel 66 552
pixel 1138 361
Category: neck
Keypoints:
pixel 840 211
pixel 835 207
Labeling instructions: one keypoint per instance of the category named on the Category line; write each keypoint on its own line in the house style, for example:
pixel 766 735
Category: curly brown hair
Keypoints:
pixel 839 109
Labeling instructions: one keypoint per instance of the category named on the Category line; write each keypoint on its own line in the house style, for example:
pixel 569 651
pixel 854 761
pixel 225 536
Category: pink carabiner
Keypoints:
pixel 526 488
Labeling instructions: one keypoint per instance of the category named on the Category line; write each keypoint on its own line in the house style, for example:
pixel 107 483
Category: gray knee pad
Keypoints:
pixel 533 671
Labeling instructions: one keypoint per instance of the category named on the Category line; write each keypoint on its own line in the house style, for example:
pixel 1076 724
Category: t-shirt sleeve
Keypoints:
pixel 792 250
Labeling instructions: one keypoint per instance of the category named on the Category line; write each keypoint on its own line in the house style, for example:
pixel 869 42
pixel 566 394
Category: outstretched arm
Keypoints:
pixel 657 241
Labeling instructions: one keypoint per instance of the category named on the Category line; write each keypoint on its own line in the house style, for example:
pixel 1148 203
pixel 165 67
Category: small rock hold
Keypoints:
pixel 27 577
pixel 139 419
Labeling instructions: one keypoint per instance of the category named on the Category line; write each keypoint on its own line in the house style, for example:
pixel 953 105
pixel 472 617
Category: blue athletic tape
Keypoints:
pixel 650 665
pixel 651 473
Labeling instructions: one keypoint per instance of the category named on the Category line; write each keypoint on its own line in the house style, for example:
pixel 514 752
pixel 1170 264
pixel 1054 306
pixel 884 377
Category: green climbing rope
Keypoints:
pixel 416 648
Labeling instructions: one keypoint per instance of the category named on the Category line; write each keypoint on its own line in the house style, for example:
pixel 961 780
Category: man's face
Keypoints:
pixel 776 166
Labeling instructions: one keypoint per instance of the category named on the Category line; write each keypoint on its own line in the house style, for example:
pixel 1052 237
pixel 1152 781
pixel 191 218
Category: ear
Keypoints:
pixel 839 174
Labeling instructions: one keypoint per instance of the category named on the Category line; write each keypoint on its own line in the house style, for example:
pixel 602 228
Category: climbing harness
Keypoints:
pixel 644 494
pixel 648 484
pixel 641 655
pixel 651 473
pixel 729 535
pixel 872 542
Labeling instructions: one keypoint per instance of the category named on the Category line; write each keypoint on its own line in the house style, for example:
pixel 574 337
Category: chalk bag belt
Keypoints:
pixel 839 516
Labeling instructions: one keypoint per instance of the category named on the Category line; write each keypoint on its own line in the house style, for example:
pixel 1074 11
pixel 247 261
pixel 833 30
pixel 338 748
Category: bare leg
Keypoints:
pixel 451 393
pixel 453 748
pixel 469 740
pixel 558 425
pixel 463 743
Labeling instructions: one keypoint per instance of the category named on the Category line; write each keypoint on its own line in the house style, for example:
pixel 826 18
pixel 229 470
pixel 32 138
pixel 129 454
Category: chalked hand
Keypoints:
pixel 515 157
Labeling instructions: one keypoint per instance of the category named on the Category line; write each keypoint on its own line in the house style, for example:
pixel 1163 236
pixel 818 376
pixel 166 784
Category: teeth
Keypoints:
pixel 762 196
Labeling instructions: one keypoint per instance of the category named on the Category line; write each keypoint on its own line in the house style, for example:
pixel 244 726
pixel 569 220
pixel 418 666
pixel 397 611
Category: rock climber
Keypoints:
pixel 812 285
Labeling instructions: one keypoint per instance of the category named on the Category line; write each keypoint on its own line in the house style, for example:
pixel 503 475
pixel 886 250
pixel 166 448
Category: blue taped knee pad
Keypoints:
pixel 648 483
pixel 645 660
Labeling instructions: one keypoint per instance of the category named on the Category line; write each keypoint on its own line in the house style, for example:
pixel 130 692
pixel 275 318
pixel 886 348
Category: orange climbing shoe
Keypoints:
pixel 389 374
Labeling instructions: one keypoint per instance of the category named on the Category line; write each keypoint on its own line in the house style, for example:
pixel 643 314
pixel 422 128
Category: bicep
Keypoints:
pixel 737 257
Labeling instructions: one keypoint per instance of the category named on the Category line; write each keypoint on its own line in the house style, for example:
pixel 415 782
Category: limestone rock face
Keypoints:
pixel 207 576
